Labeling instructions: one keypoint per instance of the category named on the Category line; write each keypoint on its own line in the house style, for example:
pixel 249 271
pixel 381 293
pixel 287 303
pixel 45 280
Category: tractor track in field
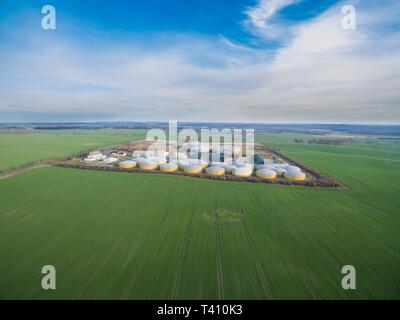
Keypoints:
pixel 264 282
pixel 6 175
pixel 308 283
pixel 220 271
pixel 154 240
pixel 183 256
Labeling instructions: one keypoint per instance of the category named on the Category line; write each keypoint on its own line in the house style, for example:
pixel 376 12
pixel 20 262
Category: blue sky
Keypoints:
pixel 221 60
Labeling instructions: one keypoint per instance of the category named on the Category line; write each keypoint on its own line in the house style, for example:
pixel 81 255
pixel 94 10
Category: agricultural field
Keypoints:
pixel 144 236
pixel 18 148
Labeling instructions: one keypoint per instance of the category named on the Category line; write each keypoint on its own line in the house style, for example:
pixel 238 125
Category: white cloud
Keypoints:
pixel 260 18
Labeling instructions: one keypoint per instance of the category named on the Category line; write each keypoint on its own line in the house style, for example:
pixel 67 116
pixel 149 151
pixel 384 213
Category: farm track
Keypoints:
pixel 308 283
pixel 220 271
pixel 22 169
pixel 182 256
pixel 155 239
pixel 261 273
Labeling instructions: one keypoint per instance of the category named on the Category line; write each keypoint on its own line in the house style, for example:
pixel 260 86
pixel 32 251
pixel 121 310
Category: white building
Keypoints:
pixel 95 156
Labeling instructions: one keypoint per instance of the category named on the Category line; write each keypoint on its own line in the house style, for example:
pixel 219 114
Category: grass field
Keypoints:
pixel 21 148
pixel 127 236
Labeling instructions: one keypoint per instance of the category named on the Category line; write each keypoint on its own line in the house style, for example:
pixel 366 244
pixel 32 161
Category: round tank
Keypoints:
pixel 228 167
pixel 127 164
pixel 242 172
pixel 266 174
pixel 279 171
pixel 192 168
pixel 247 166
pixel 199 162
pixel 295 175
pixel 148 165
pixel 215 171
pixel 169 167
pixel 292 168
pixel 265 167
pixel 182 164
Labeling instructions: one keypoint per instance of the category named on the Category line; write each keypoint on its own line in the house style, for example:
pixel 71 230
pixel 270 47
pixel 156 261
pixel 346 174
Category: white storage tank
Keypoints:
pixel 242 172
pixel 266 174
pixel 294 175
pixel 169 167
pixel 265 167
pixel 215 171
pixel 192 168
pixel 279 171
pixel 148 165
pixel 127 164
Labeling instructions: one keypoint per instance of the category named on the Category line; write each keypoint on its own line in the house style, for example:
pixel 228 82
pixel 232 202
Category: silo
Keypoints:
pixel 215 171
pixel 228 167
pixel 265 167
pixel 139 160
pixel 169 167
pixel 162 160
pixel 242 172
pixel 294 175
pixel 182 156
pixel 247 166
pixel 182 164
pixel 127 164
pixel 292 168
pixel 202 163
pixel 279 171
pixel 148 165
pixel 266 174
pixel 192 168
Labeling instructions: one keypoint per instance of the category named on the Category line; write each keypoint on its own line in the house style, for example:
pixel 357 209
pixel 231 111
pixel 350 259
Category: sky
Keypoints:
pixel 210 60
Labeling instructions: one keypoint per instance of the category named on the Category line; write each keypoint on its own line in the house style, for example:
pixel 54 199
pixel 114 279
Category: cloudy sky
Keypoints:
pixel 209 60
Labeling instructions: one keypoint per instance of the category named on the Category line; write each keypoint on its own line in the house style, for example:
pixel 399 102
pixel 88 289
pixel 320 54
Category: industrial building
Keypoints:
pixel 267 167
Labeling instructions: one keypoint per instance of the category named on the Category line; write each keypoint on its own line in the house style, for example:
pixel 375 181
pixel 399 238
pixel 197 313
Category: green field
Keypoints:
pixel 25 147
pixel 140 236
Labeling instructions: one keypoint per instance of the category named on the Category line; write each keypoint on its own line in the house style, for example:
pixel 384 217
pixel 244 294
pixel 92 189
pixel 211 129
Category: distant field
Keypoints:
pixel 20 148
pixel 127 236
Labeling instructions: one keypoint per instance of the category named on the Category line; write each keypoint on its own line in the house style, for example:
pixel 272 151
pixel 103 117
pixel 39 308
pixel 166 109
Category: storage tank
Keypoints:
pixel 199 162
pixel 265 167
pixel 192 168
pixel 127 164
pixel 182 164
pixel 169 167
pixel 162 160
pixel 242 172
pixel 292 168
pixel 215 171
pixel 294 175
pixel 148 165
pixel 139 160
pixel 279 171
pixel 110 160
pixel 266 174
pixel 182 156
pixel 228 167
pixel 247 166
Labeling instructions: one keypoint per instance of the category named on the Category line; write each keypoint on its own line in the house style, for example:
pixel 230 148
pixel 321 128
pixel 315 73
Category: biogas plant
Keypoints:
pixel 205 160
